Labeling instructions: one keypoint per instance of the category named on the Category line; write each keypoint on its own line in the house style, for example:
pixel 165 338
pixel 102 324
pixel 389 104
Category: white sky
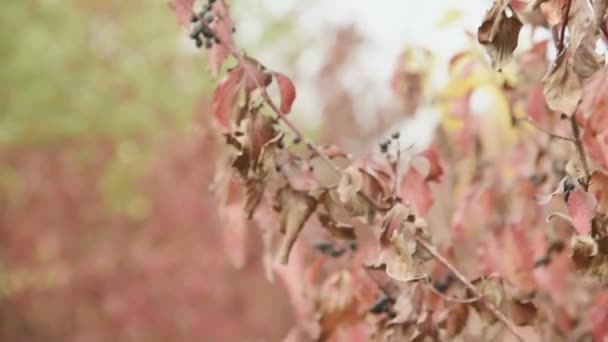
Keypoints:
pixel 388 26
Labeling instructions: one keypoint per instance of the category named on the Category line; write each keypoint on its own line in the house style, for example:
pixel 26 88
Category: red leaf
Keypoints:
pixel 288 91
pixel 183 10
pixel 223 29
pixel 436 170
pixel 598 316
pixel 535 105
pixel 416 191
pixel 580 207
pixel 225 96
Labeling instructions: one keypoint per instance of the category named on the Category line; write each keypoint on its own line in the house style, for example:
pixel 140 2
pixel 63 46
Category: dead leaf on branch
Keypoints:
pixel 295 207
pixel 327 214
pixel 499 33
pixel 562 87
pixel 401 256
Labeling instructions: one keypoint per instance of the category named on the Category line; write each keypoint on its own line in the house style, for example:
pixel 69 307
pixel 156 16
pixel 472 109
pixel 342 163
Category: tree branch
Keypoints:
pixel 489 305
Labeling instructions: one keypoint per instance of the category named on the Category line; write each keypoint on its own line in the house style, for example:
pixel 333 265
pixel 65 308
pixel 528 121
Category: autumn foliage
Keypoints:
pixel 500 222
pixel 495 230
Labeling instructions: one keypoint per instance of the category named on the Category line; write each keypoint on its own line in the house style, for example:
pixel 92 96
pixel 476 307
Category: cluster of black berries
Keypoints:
pixel 200 26
pixel 384 145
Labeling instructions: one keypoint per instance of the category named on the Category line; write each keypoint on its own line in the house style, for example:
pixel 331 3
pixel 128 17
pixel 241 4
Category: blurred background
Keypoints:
pixel 107 228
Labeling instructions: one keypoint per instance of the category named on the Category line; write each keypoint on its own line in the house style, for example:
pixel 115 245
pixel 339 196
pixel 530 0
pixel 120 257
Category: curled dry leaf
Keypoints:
pixel 581 207
pixel 295 207
pixel 398 261
pixel 327 213
pixel 350 184
pixel 288 91
pixel 561 86
pixel 564 186
pixel 499 33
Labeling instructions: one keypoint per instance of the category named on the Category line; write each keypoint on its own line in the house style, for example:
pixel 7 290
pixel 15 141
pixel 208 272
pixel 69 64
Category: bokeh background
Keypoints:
pixel 108 231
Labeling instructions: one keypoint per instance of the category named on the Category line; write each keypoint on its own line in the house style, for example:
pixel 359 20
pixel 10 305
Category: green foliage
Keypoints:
pixel 71 69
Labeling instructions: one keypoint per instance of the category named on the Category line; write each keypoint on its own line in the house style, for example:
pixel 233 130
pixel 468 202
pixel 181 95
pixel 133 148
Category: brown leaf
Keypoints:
pixel 562 87
pixel 493 292
pixel 350 184
pixel 522 313
pixel 585 60
pixel 288 91
pixel 499 33
pixel 295 208
pixel 393 222
pixel 457 319
pixel 401 259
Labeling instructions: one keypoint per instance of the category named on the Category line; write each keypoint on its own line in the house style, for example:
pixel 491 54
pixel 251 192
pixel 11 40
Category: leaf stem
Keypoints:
pixel 562 35
pixel 489 305
pixel 542 129
pixel 579 148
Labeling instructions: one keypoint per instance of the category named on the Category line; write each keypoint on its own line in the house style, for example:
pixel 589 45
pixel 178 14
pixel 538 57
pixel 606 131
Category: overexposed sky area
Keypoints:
pixel 388 26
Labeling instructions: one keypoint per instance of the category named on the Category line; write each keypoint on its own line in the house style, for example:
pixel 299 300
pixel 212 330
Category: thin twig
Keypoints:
pixel 449 298
pixel 579 148
pixel 489 305
pixel 562 35
pixel 542 129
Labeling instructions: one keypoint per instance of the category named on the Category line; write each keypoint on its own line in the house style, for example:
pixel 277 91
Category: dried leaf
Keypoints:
pixel 585 60
pixel 393 222
pixel 338 230
pixel 350 184
pixel 522 313
pixel 493 292
pixel 295 208
pixel 581 207
pixel 564 185
pixel 562 87
pixel 225 96
pixel 553 10
pixel 499 33
pixel 457 319
pixel 288 91
pixel 400 259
